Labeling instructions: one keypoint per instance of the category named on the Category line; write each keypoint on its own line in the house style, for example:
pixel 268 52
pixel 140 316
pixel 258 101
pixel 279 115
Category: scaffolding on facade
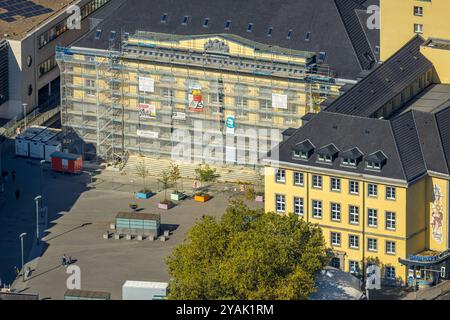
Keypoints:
pixel 106 112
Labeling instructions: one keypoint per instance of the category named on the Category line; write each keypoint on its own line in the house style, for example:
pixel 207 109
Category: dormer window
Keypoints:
pixel 351 157
pixel 375 161
pixel 373 165
pixel 327 154
pixel 349 162
pixel 303 150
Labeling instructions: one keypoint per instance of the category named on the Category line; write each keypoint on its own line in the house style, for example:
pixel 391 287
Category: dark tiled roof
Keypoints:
pixel 352 153
pixel 376 157
pixel 331 30
pixel 304 146
pixel 443 123
pixel 409 145
pixel 347 132
pixel 385 82
pixel 328 150
pixel 407 140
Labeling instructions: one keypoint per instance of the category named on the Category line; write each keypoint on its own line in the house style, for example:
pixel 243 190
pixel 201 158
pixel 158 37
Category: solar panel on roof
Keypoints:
pixel 24 8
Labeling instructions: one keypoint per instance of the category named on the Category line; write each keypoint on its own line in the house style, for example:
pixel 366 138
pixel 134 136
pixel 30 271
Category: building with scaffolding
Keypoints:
pixel 211 97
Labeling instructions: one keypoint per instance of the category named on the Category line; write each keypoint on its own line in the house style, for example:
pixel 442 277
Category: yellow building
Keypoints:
pixel 203 86
pixel 372 171
pixel 401 20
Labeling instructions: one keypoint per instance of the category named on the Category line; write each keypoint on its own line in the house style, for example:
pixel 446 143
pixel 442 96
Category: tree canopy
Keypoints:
pixel 247 255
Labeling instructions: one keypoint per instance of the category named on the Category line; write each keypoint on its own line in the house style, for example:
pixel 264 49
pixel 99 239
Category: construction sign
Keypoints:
pixel 147 111
pixel 196 100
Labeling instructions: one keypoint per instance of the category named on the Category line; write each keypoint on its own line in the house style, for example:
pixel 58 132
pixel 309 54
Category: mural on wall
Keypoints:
pixel 437 214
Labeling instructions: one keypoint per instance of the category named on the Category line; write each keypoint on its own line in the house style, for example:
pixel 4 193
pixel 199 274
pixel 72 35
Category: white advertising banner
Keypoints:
pixel 231 124
pixel 146 84
pixel 279 101
pixel 230 154
pixel 148 134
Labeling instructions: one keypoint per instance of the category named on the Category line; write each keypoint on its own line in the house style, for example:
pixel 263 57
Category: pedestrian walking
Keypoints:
pixel 17 271
pixel 17 194
pixel 63 260
pixel 69 261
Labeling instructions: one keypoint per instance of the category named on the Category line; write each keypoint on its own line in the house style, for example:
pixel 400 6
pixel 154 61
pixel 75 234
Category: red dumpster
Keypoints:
pixel 66 162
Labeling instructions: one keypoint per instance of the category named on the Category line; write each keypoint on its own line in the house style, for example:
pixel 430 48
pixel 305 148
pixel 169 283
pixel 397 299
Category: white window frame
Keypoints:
pixel 391 219
pixel 301 181
pixel 372 244
pixel 391 193
pixel 335 209
pixel 317 181
pixel 280 203
pixel 353 187
pixel 372 190
pixel 336 236
pixel 353 215
pixel 337 182
pixel 317 207
pixel 280 176
pixel 353 267
pixel 418 28
pixel 418 11
pixel 389 246
pixel 372 214
pixel 351 243
pixel 299 206
pixel 389 271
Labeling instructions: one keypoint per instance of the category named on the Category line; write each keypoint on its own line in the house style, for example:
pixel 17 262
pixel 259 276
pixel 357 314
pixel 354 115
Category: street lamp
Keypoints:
pixel 37 217
pixel 21 245
pixel 24 105
pixel 42 176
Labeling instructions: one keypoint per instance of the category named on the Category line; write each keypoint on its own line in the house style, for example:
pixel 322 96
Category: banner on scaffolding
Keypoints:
pixel 179 116
pixel 147 111
pixel 195 98
pixel 231 124
pixel 279 101
pixel 146 84
pixel 148 134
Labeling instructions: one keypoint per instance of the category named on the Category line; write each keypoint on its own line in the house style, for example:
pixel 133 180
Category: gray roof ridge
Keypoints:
pixel 418 137
pixel 347 34
pixel 355 116
pixel 440 136
pixel 398 153
pixel 365 34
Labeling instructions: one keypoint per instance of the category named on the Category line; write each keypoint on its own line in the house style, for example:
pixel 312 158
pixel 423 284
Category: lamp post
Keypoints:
pixel 24 105
pixel 42 176
pixel 21 245
pixel 37 217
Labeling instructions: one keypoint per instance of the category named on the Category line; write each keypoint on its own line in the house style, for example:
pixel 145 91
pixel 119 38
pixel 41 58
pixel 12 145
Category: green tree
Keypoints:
pixel 248 254
pixel 205 174
pixel 143 172
pixel 165 179
pixel 175 174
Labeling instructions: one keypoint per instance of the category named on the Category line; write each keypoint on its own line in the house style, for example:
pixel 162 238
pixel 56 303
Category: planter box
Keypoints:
pixel 144 195
pixel 259 199
pixel 165 206
pixel 177 196
pixel 202 198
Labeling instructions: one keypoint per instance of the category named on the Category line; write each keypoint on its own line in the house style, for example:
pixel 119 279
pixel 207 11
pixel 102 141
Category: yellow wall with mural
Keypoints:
pixel 344 226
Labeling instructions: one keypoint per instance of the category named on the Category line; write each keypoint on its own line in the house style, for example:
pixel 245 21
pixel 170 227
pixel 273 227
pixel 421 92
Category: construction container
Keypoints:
pixel 66 162
pixel 86 295
pixel 141 290
pixel 38 143
pixel 138 223
pixel 24 140
pixel 51 147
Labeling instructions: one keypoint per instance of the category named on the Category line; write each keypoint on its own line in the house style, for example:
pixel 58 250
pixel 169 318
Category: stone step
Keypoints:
pixel 226 174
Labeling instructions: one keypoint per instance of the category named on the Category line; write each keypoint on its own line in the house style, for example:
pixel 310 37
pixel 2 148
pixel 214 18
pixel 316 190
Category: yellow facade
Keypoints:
pixel 239 82
pixel 413 208
pixel 402 20
pixel 398 18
